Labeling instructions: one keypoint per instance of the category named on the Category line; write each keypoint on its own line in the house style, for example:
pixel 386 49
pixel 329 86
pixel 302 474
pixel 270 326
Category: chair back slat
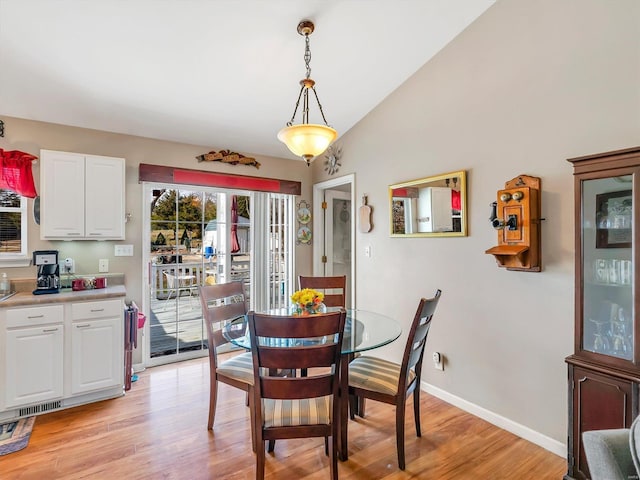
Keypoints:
pixel 417 339
pixel 332 287
pixel 296 388
pixel 301 357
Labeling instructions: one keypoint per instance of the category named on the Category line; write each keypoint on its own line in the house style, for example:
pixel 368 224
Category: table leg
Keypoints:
pixel 344 408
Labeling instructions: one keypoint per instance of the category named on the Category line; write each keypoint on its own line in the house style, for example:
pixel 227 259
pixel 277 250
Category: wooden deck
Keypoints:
pixel 176 325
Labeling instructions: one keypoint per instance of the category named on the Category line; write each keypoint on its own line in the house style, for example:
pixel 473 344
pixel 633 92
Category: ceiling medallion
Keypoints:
pixel 332 163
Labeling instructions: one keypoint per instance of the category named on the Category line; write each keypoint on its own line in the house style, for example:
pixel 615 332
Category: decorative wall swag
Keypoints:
pixel 16 174
pixel 227 156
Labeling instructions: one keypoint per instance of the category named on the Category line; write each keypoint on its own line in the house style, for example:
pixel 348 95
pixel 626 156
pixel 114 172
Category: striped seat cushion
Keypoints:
pixel 307 411
pixel 375 374
pixel 239 368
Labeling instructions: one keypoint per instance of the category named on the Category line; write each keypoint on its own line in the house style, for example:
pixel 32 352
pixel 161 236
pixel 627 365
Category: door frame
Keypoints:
pixel 319 227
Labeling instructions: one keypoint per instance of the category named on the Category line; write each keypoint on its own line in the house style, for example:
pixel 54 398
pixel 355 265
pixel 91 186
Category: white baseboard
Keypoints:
pixel 528 434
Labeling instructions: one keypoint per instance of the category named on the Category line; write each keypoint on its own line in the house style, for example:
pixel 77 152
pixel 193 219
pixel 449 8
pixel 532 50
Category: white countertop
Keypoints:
pixel 22 299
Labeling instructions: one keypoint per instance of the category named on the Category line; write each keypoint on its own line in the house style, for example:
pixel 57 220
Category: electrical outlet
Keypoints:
pixel 67 266
pixel 103 265
pixel 438 361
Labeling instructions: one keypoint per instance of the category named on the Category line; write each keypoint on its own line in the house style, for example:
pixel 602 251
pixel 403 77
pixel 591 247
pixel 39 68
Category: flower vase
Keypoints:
pixel 309 309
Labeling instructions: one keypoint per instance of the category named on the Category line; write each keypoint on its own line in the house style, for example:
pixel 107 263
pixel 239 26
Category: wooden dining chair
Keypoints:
pixel 332 287
pixel 389 382
pixel 296 407
pixel 222 303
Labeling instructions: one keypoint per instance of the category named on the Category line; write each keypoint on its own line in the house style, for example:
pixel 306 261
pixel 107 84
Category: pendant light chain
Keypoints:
pixel 307 55
pixel 304 90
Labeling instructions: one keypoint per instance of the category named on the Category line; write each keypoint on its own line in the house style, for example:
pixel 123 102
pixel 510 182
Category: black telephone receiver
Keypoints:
pixel 498 223
pixel 495 221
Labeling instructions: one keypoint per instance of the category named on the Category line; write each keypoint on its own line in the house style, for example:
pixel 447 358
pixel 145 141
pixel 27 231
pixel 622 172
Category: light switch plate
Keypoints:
pixel 103 265
pixel 123 250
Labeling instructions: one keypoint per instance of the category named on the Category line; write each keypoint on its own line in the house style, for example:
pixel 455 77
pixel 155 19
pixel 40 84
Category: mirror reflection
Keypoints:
pixel 430 207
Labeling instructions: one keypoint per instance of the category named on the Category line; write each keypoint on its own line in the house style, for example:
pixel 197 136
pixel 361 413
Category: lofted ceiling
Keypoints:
pixel 221 73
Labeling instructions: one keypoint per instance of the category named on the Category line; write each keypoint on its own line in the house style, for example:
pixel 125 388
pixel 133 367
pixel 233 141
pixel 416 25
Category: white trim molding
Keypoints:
pixel 518 429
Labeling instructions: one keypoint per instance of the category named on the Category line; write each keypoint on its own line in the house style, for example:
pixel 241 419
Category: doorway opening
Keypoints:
pixel 333 251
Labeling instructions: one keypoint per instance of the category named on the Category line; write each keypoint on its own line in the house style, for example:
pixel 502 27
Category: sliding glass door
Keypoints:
pixel 199 236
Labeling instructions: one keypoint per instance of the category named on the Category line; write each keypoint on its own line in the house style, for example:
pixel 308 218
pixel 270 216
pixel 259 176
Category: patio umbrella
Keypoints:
pixel 235 245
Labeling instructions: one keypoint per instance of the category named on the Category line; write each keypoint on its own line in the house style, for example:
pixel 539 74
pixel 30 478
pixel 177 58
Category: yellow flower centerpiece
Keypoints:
pixel 308 302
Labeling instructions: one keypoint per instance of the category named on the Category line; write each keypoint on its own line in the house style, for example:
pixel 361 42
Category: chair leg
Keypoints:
pixel 416 411
pixel 272 446
pixel 260 458
pixel 400 409
pixel 164 308
pixel 213 395
pixel 361 405
pixel 333 456
pixel 252 417
pixel 353 406
pixel 326 445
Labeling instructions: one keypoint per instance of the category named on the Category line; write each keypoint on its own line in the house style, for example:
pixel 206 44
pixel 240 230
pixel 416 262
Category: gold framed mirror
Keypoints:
pixel 429 207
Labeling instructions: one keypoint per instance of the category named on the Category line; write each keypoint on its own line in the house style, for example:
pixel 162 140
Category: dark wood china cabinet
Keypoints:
pixel 604 371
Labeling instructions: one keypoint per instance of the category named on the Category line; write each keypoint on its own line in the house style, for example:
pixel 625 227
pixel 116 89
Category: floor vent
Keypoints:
pixel 43 407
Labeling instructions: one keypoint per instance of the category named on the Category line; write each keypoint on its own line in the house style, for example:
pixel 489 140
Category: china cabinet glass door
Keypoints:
pixel 607 266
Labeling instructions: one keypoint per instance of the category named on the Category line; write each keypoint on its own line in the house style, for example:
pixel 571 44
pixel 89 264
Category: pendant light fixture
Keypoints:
pixel 307 140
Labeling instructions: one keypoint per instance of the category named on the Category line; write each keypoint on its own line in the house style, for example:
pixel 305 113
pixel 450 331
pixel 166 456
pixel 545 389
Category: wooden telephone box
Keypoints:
pixel 516 217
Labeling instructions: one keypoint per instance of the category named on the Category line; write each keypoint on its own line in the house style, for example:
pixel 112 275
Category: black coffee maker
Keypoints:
pixel 48 280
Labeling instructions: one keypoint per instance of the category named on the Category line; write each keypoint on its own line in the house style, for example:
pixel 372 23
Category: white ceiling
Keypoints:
pixel 222 73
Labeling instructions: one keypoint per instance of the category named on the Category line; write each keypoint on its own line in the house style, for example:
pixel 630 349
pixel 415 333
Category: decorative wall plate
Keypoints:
pixel 304 215
pixel 304 234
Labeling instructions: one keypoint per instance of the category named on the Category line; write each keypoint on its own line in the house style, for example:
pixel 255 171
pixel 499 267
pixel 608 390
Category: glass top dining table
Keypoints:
pixel 364 330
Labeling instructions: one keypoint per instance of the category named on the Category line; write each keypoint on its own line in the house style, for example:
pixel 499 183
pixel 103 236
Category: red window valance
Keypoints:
pixel 16 174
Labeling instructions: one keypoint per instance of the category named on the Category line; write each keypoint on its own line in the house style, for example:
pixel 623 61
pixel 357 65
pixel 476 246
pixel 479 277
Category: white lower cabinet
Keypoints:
pixel 60 355
pixel 34 349
pixel 96 358
pixel 97 346
pixel 34 364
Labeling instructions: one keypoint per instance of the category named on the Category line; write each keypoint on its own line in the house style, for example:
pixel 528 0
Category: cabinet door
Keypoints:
pixel 104 211
pixel 62 194
pixel 97 354
pixel 34 364
pixel 606 307
pixel 599 402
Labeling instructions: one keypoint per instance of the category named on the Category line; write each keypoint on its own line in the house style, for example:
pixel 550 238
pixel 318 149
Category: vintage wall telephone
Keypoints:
pixel 516 217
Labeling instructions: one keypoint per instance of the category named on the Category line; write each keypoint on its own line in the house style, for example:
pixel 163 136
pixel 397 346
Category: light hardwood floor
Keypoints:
pixel 159 431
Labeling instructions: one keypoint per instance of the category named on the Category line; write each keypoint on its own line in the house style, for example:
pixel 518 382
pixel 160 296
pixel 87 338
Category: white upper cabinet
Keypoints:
pixel 82 196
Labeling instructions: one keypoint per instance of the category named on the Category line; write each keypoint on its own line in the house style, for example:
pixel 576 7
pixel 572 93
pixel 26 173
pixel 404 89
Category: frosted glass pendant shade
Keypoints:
pixel 307 140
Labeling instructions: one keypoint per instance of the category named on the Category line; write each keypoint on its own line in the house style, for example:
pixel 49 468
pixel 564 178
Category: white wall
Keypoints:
pixel 528 85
